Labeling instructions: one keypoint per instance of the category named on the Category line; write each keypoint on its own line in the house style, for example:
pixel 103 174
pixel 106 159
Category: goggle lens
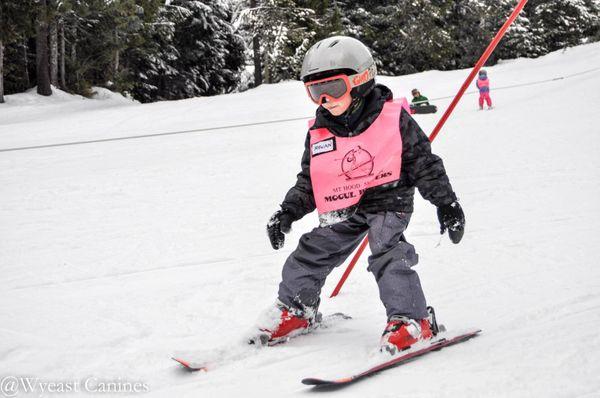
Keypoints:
pixel 335 88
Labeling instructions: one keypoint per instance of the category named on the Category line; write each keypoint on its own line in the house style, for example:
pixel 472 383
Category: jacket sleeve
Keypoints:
pixel 424 169
pixel 300 200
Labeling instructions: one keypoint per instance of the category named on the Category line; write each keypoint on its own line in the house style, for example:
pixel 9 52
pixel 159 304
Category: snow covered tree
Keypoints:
pixel 405 36
pixel 428 40
pixel 152 64
pixel 15 26
pixel 325 19
pixel 125 19
pixel 520 39
pixel 562 23
pixel 467 23
pixel 593 30
pixel 158 49
pixel 210 52
pixel 284 30
pixel 104 39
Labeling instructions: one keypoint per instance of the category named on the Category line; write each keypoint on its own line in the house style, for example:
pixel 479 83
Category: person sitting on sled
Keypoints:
pixel 363 157
pixel 483 84
pixel 420 103
pixel 418 98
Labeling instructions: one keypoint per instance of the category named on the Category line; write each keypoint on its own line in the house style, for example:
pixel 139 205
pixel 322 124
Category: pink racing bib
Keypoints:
pixel 483 83
pixel 342 168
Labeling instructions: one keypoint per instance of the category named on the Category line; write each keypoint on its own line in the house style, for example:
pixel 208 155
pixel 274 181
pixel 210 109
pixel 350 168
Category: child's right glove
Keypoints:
pixel 279 224
pixel 452 218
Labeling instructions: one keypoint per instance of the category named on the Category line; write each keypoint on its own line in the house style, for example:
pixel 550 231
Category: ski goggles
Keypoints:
pixel 335 87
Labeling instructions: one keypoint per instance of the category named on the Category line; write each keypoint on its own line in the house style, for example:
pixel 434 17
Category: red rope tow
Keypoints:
pixel 482 60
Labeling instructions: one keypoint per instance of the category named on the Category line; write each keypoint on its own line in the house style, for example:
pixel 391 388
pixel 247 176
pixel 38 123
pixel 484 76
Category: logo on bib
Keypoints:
pixel 324 146
pixel 357 163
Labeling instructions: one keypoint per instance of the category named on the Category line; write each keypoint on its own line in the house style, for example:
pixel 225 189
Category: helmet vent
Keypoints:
pixel 334 43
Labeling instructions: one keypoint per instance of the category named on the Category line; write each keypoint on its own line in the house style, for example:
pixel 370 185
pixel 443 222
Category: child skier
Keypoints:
pixel 363 157
pixel 483 84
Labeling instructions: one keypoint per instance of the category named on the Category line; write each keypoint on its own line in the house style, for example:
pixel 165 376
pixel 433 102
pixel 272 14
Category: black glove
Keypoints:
pixel 452 218
pixel 279 224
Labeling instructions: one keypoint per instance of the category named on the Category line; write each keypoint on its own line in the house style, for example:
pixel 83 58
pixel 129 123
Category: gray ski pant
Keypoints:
pixel 391 262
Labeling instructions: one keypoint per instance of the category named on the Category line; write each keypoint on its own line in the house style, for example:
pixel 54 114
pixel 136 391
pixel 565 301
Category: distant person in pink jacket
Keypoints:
pixel 483 84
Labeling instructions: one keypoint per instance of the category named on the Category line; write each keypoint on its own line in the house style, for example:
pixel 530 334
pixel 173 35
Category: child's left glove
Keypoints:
pixel 280 223
pixel 452 218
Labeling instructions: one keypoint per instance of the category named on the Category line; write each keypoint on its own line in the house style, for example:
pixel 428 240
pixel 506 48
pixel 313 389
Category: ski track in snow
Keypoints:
pixel 117 255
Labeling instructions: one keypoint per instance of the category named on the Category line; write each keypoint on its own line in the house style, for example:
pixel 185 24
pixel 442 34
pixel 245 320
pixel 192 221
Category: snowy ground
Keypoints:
pixel 115 255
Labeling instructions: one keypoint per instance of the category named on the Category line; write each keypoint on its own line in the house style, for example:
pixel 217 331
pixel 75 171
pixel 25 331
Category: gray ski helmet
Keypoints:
pixel 337 53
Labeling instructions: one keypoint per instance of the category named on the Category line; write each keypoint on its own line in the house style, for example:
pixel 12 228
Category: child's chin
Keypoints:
pixel 335 111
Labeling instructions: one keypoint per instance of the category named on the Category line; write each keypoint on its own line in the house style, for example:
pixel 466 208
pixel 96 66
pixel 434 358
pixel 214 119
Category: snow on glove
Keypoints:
pixel 279 224
pixel 452 218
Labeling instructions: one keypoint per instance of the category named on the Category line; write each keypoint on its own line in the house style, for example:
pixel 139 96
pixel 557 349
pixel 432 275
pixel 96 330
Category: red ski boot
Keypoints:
pixel 402 332
pixel 280 324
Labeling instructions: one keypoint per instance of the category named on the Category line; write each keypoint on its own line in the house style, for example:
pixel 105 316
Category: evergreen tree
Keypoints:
pixel 563 23
pixel 285 29
pixel 105 40
pixel 470 31
pixel 152 65
pixel 520 39
pixel 87 32
pixel 210 52
pixel 157 50
pixel 405 36
pixel 325 19
pixel 16 26
pixel 592 32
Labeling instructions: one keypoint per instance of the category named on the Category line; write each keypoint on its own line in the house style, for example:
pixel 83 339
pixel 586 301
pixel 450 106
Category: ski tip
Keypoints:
pixel 181 362
pixel 188 366
pixel 468 333
pixel 312 381
pixel 441 341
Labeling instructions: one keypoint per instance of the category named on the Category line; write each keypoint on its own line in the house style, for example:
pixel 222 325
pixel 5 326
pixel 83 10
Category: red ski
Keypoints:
pixel 212 359
pixel 440 341
pixel 189 366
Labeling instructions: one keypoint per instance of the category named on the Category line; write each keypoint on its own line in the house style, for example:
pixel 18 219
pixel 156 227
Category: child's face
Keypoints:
pixel 338 107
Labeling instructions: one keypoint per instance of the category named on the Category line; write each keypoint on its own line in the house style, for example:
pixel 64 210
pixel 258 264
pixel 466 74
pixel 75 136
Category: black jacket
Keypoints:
pixel 420 168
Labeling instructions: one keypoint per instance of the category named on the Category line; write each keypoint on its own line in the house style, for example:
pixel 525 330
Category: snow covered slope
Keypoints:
pixel 115 255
